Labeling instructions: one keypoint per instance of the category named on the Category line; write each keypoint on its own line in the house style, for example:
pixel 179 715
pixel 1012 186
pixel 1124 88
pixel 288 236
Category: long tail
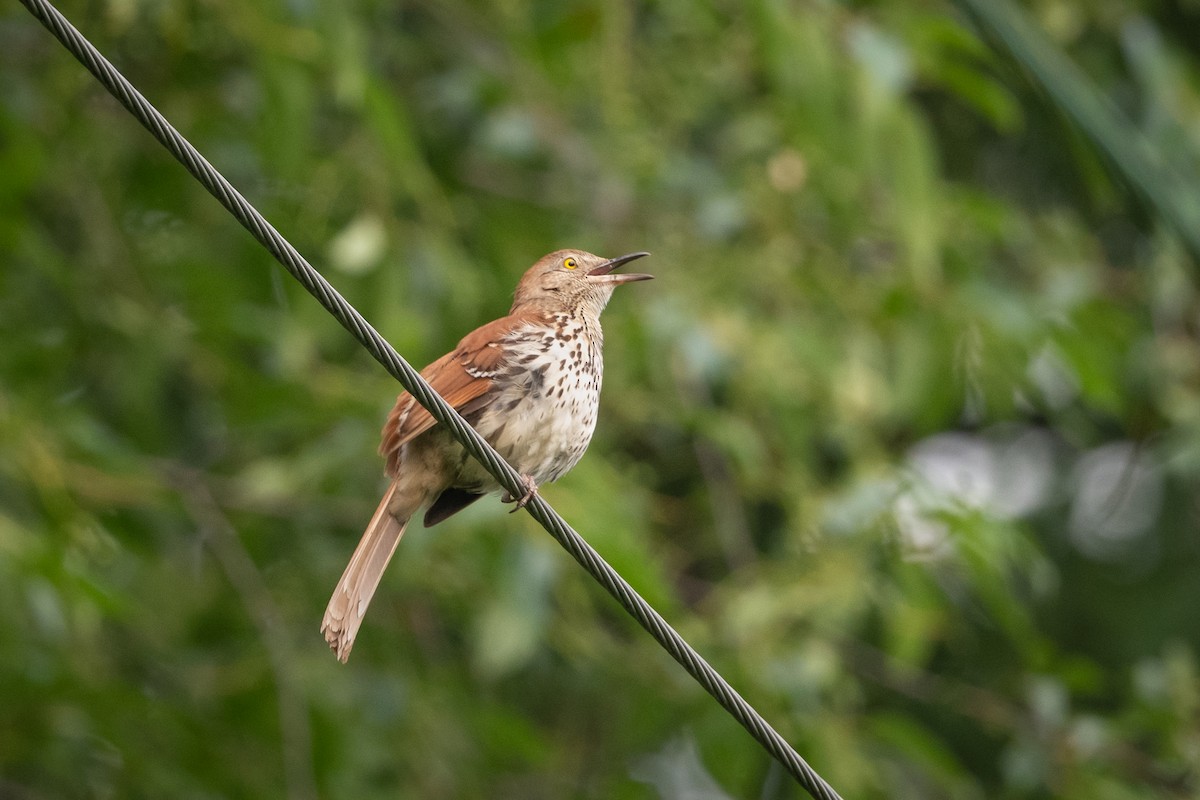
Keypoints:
pixel 344 614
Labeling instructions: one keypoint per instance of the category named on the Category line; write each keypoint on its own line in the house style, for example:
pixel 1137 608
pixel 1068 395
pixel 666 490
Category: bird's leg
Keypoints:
pixel 530 490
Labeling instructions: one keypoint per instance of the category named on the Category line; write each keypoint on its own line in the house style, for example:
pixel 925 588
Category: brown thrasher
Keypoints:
pixel 528 382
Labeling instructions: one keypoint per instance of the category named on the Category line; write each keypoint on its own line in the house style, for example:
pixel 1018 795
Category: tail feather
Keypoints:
pixel 344 614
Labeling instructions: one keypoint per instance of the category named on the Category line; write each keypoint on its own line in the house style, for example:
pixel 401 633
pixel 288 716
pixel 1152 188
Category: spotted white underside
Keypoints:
pixel 547 400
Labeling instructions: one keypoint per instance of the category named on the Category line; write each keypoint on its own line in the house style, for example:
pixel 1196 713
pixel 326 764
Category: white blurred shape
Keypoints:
pixel 957 467
pixel 1006 477
pixel 678 773
pixel 1118 496
pixel 1025 473
pixel 358 247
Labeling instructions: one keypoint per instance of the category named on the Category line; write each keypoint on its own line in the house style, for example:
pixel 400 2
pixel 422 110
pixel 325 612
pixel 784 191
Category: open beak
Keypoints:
pixel 604 273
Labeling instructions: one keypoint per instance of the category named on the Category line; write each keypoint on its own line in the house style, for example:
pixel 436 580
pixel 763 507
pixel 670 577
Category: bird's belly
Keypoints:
pixel 542 418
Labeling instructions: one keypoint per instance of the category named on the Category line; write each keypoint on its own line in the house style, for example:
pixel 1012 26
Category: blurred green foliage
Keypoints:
pixel 905 438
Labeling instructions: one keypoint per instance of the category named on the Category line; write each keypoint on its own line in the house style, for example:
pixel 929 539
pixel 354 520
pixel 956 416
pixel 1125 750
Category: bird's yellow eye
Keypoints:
pixel 570 263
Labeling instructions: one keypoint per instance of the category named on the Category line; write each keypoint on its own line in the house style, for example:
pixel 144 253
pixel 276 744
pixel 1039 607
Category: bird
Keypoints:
pixel 528 382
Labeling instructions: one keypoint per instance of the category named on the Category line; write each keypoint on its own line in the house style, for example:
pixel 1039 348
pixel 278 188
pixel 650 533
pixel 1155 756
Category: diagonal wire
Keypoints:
pixel 508 477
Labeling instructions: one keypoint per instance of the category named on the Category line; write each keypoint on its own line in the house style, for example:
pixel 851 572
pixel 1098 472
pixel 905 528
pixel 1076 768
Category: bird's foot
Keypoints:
pixel 531 489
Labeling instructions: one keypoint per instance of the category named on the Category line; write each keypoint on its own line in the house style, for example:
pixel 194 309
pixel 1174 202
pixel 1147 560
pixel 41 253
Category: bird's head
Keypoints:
pixel 573 280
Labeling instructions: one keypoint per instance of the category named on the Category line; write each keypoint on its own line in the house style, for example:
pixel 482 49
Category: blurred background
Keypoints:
pixel 905 438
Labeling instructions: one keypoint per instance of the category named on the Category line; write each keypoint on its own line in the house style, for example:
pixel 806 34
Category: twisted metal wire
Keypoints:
pixel 476 445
